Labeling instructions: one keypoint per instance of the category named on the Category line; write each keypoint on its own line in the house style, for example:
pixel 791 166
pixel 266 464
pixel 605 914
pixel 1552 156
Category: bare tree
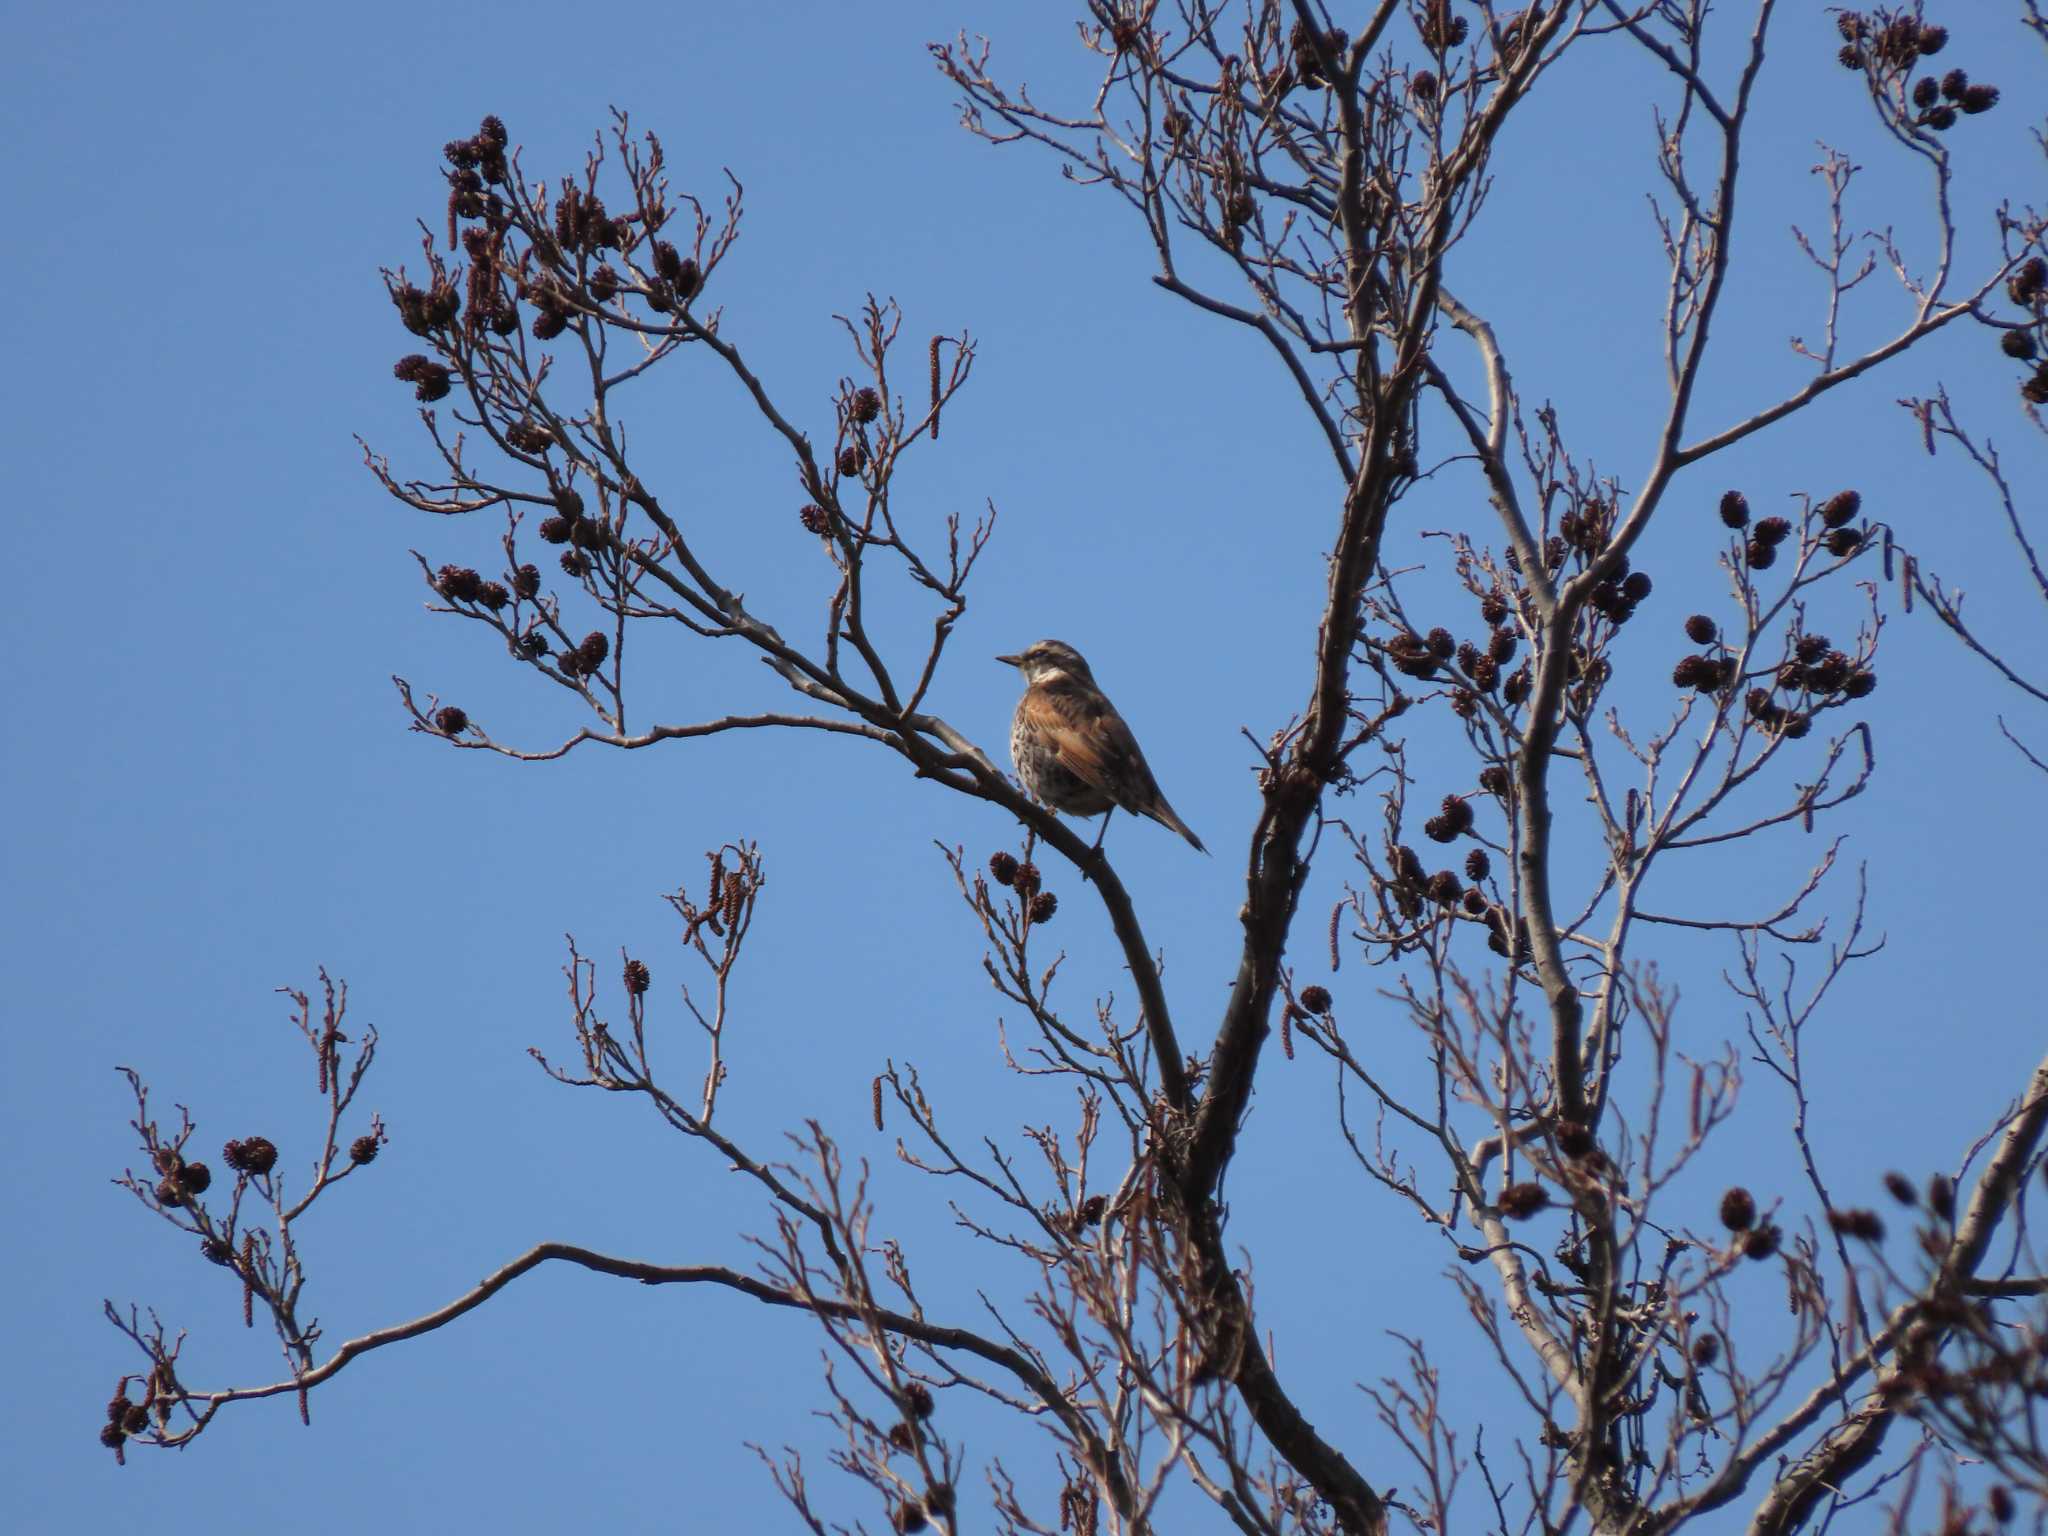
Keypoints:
pixel 1307 177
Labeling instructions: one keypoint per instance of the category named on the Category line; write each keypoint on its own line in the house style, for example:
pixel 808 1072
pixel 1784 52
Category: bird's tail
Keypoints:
pixel 1165 815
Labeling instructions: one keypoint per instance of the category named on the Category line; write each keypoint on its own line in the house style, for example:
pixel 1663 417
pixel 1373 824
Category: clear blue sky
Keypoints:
pixel 213 792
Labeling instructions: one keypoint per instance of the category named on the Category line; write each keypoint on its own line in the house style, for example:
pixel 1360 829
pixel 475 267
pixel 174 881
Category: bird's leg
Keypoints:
pixel 1096 846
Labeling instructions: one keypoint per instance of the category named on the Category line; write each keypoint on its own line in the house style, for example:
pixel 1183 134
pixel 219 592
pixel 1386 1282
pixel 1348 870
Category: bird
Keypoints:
pixel 1072 749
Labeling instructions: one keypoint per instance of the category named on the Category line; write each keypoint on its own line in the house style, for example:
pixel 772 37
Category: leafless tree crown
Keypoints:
pixel 1307 177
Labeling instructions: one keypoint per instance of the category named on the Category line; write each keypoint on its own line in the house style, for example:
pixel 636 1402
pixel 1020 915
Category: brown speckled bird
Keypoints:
pixel 1073 750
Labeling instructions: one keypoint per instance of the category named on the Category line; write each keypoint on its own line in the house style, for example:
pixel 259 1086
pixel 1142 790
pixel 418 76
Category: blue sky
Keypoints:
pixel 215 793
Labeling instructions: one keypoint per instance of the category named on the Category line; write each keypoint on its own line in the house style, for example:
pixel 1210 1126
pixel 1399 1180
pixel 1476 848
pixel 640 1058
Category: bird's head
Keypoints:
pixel 1045 660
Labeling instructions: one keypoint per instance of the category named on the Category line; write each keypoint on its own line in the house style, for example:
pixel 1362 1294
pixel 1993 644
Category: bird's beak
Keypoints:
pixel 1011 661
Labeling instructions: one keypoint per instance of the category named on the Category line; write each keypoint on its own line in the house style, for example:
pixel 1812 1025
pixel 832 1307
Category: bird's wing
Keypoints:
pixel 1092 742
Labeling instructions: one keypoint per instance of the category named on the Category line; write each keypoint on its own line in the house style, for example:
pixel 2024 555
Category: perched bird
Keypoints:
pixel 1073 750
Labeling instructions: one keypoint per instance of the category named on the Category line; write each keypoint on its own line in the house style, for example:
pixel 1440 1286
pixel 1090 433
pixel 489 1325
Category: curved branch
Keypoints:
pixel 1907 1336
pixel 935 1335
pixel 1264 325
